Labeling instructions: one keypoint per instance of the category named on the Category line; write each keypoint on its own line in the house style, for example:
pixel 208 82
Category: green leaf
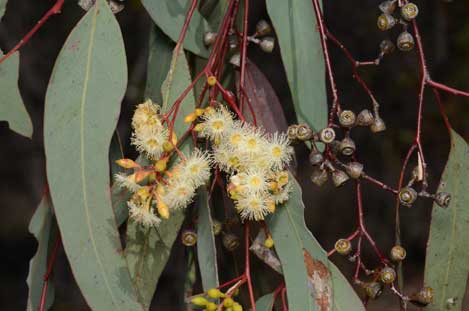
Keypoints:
pixel 304 260
pixel 82 107
pixel 206 250
pixel 119 196
pixel 148 250
pixel 44 229
pixel 265 303
pixel 170 15
pixel 3 6
pixel 447 265
pixel 300 46
pixel 12 108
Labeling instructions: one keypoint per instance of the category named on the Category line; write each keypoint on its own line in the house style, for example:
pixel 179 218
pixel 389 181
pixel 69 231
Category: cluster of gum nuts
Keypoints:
pixel 386 21
pixel 208 301
pixel 262 37
pixel 386 276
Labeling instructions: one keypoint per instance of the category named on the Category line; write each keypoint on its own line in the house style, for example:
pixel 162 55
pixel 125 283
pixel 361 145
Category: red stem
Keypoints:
pixel 244 45
pixel 48 273
pixel 247 270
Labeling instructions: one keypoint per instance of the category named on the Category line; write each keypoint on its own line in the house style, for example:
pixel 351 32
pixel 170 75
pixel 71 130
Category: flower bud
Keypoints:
pixel 378 125
pixel 405 42
pixel 189 237
pixel 199 301
pixel 373 289
pixel 343 246
pixel 304 132
pixel 267 44
pixel 263 28
pixel 365 118
pixel 409 11
pixel 230 241
pixel 387 275
pixel 210 38
pixel 217 227
pixel 339 178
pixel 398 253
pixel 215 293
pixel 319 176
pixel 407 196
pixel 316 157
pixel 269 242
pixel 347 146
pixel 423 298
pixel 292 132
pixel 386 22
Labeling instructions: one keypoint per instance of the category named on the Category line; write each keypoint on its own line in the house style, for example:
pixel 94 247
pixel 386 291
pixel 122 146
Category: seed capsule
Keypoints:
pixel 354 169
pixel 347 146
pixel 343 246
pixel 335 146
pixel 319 176
pixel 409 11
pixel 189 237
pixel 443 199
pixel 210 38
pixel 405 42
pixel 327 135
pixel 347 118
pixel 398 253
pixel 373 289
pixel 304 132
pixel 365 118
pixel 407 196
pixel 423 298
pixel 339 178
pixel 316 157
pixel 263 28
pixel 235 60
pixel 387 275
pixel 387 47
pixel 378 125
pixel 267 44
pixel 388 7
pixel 292 132
pixel 230 242
pixel 386 22
pixel 217 227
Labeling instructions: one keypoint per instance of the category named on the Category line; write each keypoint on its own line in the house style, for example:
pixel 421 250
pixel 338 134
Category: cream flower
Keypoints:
pixel 282 195
pixel 126 181
pixel 196 168
pixel 279 151
pixel 142 215
pixel 215 123
pixel 179 193
pixel 252 207
pixel 146 116
pixel 150 141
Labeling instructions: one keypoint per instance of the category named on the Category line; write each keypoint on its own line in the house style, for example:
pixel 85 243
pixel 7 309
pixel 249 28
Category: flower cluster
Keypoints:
pixel 255 162
pixel 156 189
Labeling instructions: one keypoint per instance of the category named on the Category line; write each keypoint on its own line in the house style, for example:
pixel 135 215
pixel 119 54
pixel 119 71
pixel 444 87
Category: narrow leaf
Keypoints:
pixel 265 303
pixel 44 229
pixel 3 6
pixel 82 107
pixel 12 108
pixel 447 265
pixel 170 15
pixel 206 250
pixel 300 46
pixel 148 250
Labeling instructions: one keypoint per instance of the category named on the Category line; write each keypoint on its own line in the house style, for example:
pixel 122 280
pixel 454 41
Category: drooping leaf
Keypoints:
pixel 265 303
pixel 82 106
pixel 447 265
pixel 302 258
pixel 3 6
pixel 206 250
pixel 214 11
pixel 12 108
pixel 300 46
pixel 44 229
pixel 170 15
pixel 148 250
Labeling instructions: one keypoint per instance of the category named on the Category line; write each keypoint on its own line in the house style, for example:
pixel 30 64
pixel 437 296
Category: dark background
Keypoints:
pixel 330 212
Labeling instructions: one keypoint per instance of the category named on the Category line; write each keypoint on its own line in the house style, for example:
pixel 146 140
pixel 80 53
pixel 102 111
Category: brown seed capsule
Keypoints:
pixel 292 132
pixel 354 169
pixel 316 157
pixel 347 118
pixel 343 246
pixel 335 146
pixel 230 242
pixel 407 196
pixel 405 42
pixel 235 59
pixel 423 298
pixel 339 178
pixel 398 253
pixel 319 176
pixel 263 28
pixel 189 237
pixel 327 135
pixel 365 118
pixel 386 22
pixel 387 7
pixel 267 44
pixel 210 38
pixel 387 47
pixel 409 11
pixel 217 227
pixel 373 289
pixel 304 132
pixel 378 125
pixel 387 275
pixel 443 199
pixel 347 146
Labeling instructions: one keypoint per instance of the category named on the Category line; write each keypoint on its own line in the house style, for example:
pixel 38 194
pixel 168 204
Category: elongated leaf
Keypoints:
pixel 265 303
pixel 447 265
pixel 170 15
pixel 3 5
pixel 44 229
pixel 300 46
pixel 330 289
pixel 82 106
pixel 148 250
pixel 12 108
pixel 206 250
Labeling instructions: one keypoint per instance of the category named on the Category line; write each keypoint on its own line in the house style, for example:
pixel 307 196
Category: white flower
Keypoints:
pixel 282 195
pixel 142 215
pixel 216 122
pixel 150 141
pixel 252 207
pixel 196 168
pixel 146 116
pixel 179 194
pixel 278 150
pixel 253 181
pixel 126 181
